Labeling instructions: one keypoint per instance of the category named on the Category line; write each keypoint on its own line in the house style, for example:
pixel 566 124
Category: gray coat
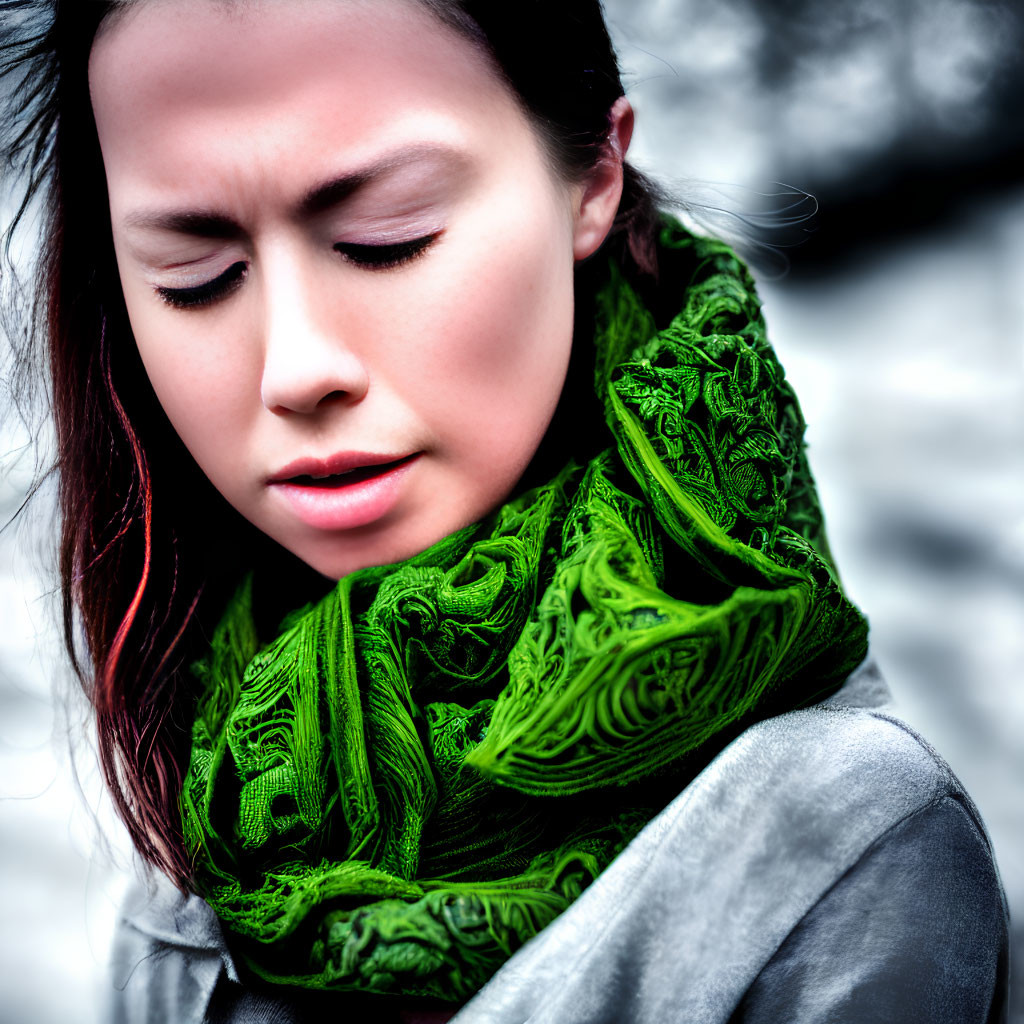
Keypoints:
pixel 826 867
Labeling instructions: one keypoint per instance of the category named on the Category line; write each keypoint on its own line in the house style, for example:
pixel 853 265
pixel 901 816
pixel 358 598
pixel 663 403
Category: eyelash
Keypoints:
pixel 384 257
pixel 370 257
pixel 209 291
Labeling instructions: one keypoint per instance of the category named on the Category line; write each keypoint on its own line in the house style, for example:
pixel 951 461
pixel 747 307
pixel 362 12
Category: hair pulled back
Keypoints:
pixel 138 518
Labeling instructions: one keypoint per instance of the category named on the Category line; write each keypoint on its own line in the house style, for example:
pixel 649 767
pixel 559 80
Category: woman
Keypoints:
pixel 400 630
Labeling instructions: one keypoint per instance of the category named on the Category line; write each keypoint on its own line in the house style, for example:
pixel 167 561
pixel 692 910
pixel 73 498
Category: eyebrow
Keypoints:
pixel 321 197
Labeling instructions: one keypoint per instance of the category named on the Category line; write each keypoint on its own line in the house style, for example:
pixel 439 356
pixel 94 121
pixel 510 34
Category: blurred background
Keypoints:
pixel 899 317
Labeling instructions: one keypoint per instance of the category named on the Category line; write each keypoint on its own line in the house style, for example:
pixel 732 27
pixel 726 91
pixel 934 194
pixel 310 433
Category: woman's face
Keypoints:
pixel 346 262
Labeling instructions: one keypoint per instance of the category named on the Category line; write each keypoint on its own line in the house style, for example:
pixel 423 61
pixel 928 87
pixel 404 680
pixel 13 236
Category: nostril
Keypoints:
pixel 334 396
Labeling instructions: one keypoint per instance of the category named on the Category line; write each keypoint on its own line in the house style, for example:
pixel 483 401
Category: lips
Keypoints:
pixel 346 477
pixel 344 491
pixel 314 471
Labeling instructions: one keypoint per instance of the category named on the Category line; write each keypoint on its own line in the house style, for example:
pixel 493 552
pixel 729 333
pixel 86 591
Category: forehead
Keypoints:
pixel 275 84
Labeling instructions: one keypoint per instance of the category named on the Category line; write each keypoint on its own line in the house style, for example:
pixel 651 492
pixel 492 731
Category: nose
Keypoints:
pixel 307 358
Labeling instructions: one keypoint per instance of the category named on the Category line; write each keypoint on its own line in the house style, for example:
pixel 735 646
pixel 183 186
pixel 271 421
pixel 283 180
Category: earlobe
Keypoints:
pixel 603 188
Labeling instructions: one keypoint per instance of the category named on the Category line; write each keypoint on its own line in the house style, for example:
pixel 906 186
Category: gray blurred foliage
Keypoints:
pixel 900 322
pixel 823 90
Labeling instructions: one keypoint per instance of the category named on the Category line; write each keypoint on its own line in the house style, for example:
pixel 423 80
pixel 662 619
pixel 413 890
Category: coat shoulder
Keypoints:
pixel 849 765
pixel 709 890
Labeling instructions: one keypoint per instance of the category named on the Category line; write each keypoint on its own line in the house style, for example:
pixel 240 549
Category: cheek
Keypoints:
pixel 203 381
pixel 497 347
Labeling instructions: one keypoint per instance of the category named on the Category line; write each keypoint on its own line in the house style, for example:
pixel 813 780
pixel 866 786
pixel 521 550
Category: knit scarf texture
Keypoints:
pixel 427 766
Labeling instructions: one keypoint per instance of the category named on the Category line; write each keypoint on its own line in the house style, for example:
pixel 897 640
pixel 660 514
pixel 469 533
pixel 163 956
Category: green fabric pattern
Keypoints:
pixel 426 767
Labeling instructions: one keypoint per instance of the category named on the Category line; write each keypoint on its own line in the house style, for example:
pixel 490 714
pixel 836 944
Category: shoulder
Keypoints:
pixel 808 801
pixel 170 962
pixel 915 930
pixel 814 788
pixel 838 774
pixel 913 924
pixel 168 955
pixel 812 803
pixel 709 892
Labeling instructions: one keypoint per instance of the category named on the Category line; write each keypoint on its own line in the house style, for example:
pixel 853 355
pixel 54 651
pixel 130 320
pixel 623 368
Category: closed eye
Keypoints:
pixel 384 257
pixel 209 291
pixel 372 257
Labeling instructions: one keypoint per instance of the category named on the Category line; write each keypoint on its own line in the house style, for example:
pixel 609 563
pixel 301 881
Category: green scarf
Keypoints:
pixel 425 768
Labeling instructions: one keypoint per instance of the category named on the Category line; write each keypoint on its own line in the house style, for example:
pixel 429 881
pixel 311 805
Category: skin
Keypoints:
pixel 458 355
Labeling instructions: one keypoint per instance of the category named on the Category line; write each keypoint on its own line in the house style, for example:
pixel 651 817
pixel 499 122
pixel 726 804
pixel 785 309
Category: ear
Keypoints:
pixel 602 189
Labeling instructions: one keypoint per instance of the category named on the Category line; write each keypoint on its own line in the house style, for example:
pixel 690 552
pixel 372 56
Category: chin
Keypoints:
pixel 337 560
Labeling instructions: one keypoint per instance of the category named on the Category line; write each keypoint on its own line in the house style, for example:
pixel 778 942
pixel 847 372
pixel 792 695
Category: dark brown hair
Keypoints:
pixel 145 555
